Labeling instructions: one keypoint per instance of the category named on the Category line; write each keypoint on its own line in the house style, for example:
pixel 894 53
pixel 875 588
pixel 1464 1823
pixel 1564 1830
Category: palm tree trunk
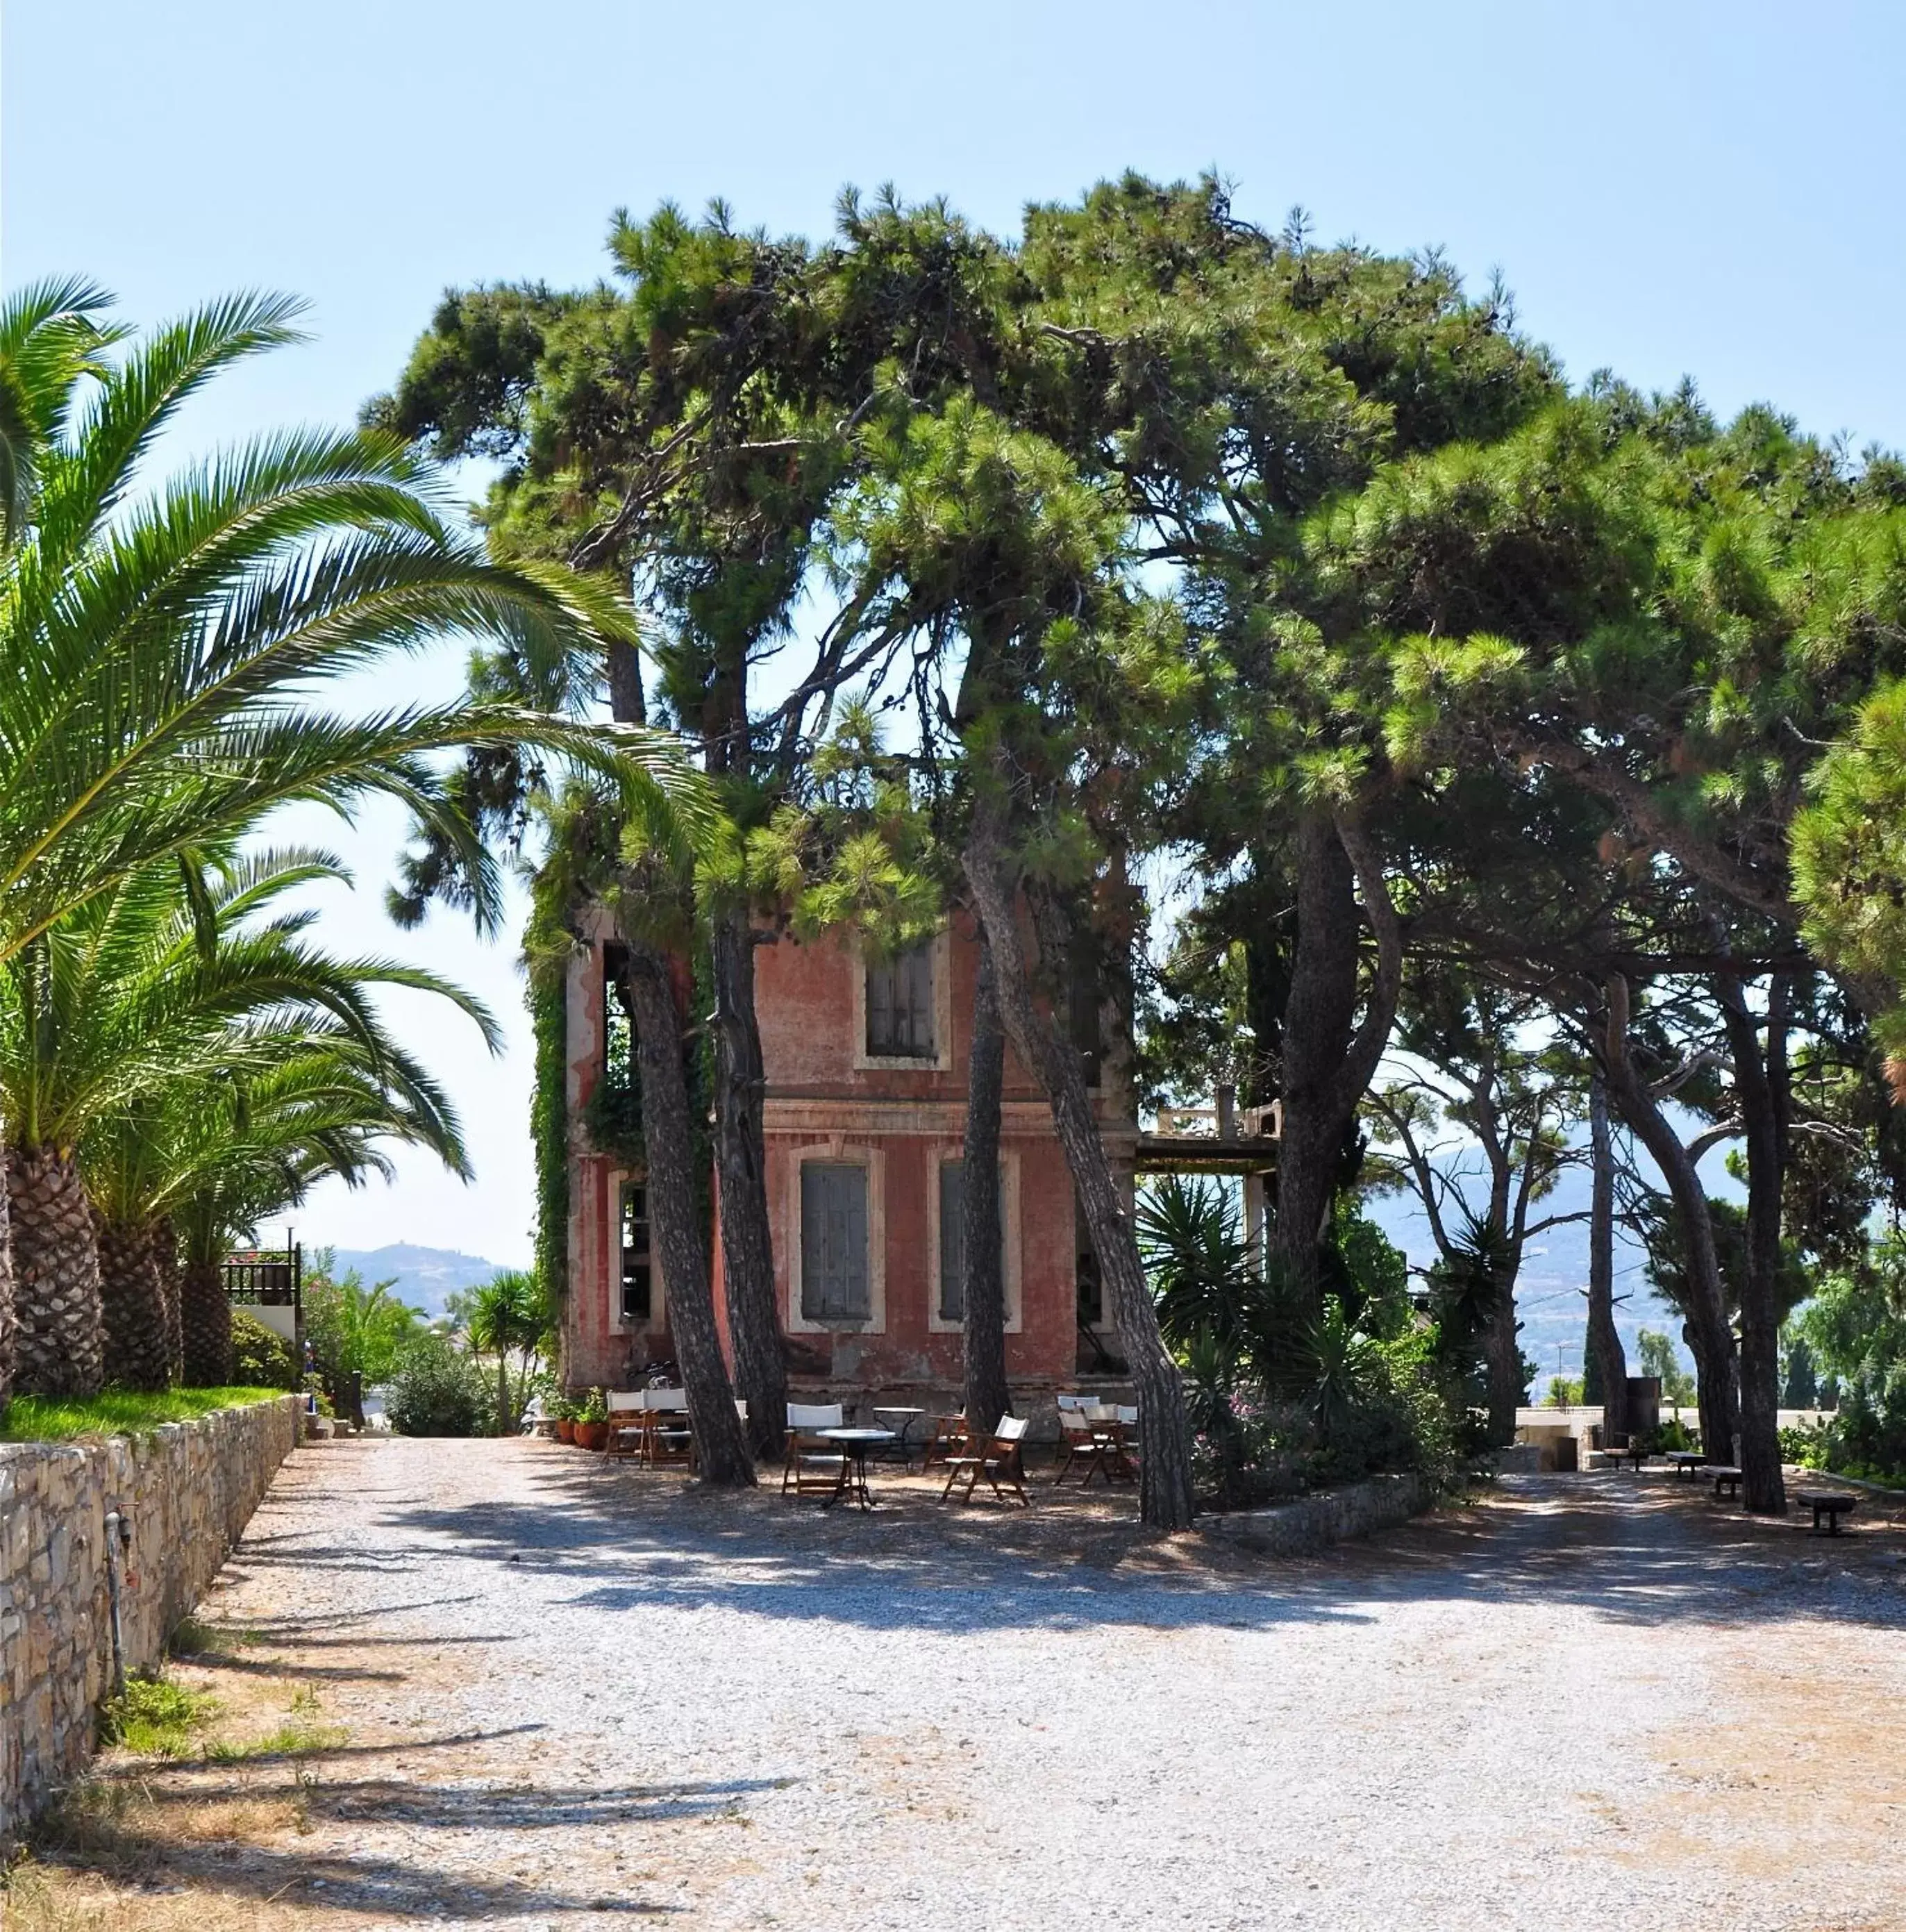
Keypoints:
pixel 138 1354
pixel 983 1305
pixel 675 1214
pixel 8 1335
pixel 204 1316
pixel 58 1343
pixel 1164 1462
pixel 1604 1348
pixel 747 1253
pixel 164 1239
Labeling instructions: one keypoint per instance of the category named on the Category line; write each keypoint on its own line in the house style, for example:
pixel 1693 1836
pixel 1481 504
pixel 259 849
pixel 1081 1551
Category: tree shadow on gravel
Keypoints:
pixel 1638 1550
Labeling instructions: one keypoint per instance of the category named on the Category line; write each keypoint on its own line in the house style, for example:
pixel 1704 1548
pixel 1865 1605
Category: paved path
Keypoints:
pixel 578 1697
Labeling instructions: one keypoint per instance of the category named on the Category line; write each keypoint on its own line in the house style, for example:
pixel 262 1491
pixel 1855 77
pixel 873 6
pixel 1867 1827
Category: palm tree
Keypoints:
pixel 510 1315
pixel 157 655
pixel 148 984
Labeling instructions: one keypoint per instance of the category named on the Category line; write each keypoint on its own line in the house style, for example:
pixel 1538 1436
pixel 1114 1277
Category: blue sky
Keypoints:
pixel 1690 188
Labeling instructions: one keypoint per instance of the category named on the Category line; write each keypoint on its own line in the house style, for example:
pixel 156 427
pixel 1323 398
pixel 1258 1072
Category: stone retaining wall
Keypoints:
pixel 187 1491
pixel 1311 1522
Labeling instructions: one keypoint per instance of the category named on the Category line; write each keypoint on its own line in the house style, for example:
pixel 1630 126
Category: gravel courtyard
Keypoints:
pixel 578 1696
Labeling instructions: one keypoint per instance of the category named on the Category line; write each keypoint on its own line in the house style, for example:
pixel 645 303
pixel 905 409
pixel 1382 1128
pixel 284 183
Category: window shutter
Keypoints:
pixel 917 968
pixel 900 1005
pixel 880 1007
pixel 834 1271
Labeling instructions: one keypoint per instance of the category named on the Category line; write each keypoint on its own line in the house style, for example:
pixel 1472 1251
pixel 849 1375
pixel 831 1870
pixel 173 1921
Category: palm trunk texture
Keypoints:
pixel 165 1261
pixel 1164 1460
pixel 983 1311
pixel 668 1138
pixel 748 1251
pixel 138 1353
pixel 58 1343
pixel 205 1317
pixel 8 1336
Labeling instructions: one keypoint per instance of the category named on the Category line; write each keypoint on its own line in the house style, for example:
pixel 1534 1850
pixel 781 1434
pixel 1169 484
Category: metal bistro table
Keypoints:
pixel 908 1416
pixel 856 1442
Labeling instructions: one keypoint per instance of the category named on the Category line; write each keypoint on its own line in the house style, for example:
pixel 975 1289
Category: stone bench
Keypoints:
pixel 1727 1481
pixel 1831 1504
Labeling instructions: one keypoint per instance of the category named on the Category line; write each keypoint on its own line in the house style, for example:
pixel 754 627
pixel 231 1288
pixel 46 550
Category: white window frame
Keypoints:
pixel 937 1157
pixel 941 1061
pixel 658 1320
pixel 836 1151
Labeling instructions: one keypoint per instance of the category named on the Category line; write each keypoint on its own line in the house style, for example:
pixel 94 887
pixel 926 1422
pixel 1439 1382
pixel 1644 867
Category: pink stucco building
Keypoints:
pixel 866 1065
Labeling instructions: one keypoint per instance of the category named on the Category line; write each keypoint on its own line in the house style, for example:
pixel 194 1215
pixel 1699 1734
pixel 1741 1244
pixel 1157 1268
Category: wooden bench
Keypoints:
pixel 1727 1481
pixel 1686 1461
pixel 1831 1504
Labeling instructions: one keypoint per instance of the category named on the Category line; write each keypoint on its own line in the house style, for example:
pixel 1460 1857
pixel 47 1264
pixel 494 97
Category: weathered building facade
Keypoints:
pixel 864 1119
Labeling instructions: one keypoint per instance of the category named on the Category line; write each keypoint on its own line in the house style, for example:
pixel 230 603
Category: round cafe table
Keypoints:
pixel 908 1416
pixel 855 1442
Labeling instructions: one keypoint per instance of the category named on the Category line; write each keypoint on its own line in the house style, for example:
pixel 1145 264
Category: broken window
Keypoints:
pixel 834 1270
pixel 637 1296
pixel 900 1005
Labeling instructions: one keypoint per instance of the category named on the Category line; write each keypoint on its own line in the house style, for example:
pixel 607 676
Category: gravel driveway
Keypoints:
pixel 578 1696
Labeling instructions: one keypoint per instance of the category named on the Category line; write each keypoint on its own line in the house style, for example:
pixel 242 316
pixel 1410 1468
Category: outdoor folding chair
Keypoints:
pixel 814 1466
pixel 999 1462
pixel 628 1421
pixel 1078 1442
pixel 949 1437
pixel 670 1439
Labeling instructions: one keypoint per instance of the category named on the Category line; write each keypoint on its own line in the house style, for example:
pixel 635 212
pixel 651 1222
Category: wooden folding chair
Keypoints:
pixel 670 1440
pixel 628 1422
pixel 999 1462
pixel 947 1436
pixel 1077 1441
pixel 814 1466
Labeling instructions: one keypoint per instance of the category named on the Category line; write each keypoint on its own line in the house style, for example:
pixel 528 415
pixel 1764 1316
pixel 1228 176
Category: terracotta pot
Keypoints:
pixel 565 1429
pixel 592 1434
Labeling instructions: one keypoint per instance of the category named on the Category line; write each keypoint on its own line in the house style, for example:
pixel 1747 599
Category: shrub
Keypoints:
pixel 154 1718
pixel 438 1391
pixel 261 1358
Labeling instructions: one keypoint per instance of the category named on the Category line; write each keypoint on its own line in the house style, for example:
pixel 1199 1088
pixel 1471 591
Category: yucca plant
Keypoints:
pixel 157 655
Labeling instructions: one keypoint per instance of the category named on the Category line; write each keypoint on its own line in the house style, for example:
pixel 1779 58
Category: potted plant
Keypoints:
pixel 563 1410
pixel 592 1421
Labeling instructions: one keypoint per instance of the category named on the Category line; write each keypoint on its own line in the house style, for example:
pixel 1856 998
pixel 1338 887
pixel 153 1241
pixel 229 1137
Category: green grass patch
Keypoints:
pixel 34 1418
pixel 155 1718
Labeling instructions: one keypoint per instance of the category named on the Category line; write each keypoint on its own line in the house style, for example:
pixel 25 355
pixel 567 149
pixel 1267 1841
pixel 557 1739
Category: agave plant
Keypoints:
pixel 157 655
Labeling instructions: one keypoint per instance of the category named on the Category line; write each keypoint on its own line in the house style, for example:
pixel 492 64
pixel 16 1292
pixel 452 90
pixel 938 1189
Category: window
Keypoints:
pixel 900 1005
pixel 638 1301
pixel 1091 1288
pixel 834 1272
pixel 953 1238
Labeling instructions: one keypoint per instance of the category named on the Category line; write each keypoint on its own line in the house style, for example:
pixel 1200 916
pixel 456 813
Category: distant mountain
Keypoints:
pixel 1551 1301
pixel 426 1278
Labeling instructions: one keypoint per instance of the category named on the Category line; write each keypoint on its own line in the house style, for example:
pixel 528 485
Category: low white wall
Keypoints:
pixel 188 1490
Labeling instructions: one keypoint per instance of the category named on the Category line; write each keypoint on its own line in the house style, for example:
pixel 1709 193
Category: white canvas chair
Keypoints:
pixel 999 1462
pixel 628 1420
pixel 670 1440
pixel 814 1466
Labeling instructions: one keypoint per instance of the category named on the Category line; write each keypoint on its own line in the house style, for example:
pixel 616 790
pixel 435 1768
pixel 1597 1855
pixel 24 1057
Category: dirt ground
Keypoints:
pixel 512 1685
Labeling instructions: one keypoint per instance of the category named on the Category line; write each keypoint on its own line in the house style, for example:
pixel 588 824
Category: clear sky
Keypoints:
pixel 1684 188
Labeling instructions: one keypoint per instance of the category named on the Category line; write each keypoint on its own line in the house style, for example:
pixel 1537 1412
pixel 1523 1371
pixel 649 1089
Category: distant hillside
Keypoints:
pixel 426 1278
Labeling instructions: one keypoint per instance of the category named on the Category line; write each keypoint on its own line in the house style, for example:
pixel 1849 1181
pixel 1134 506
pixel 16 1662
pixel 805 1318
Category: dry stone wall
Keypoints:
pixel 1331 1515
pixel 187 1491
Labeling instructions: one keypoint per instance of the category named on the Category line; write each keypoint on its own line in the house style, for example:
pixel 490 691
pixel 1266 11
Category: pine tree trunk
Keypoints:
pixel 8 1331
pixel 1763 1487
pixel 674 1215
pixel 983 1291
pixel 204 1315
pixel 1605 1352
pixel 748 1252
pixel 1503 1360
pixel 1164 1462
pixel 57 1345
pixel 1329 1056
pixel 138 1354
pixel 1707 1333
pixel 164 1240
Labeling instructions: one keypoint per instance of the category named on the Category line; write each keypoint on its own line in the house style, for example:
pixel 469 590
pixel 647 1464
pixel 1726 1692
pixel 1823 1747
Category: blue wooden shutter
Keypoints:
pixel 834 1271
